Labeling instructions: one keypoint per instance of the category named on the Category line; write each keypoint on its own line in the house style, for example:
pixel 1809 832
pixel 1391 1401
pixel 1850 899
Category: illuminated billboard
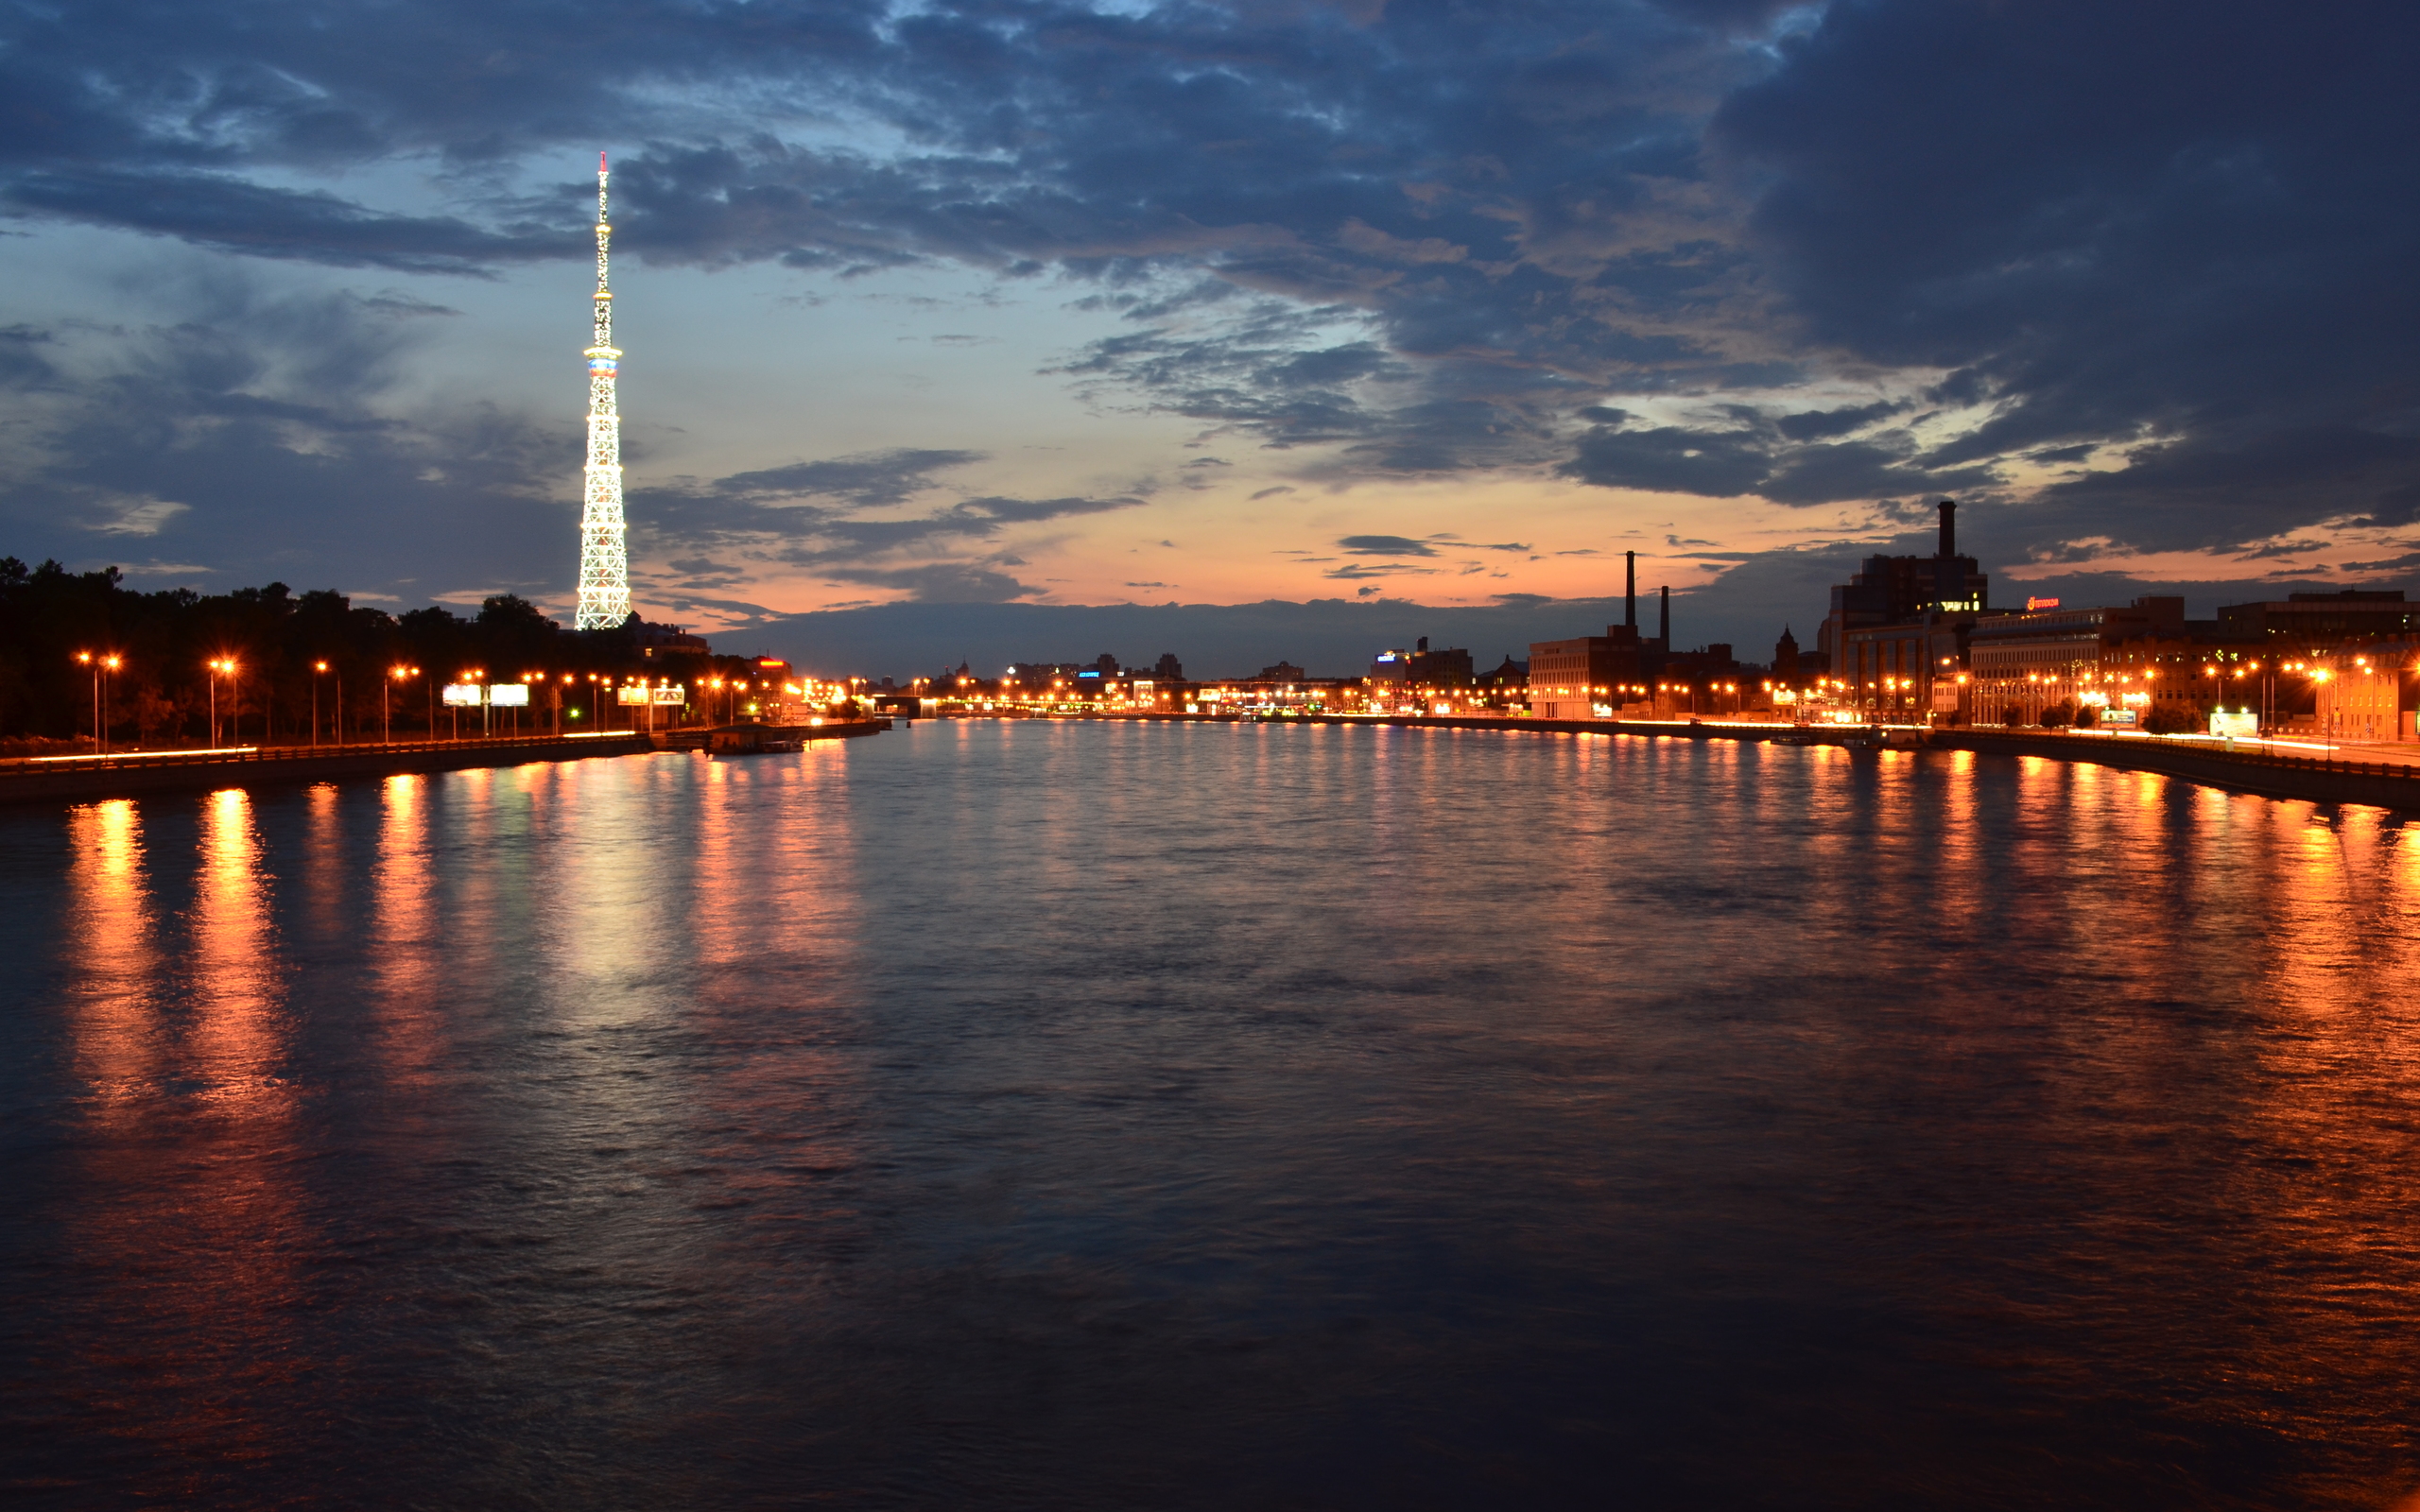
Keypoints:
pixel 675 695
pixel 509 694
pixel 631 696
pixel 2242 723
pixel 459 694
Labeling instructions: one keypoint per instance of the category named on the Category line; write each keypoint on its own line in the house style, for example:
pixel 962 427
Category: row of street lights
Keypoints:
pixel 105 664
pixel 102 664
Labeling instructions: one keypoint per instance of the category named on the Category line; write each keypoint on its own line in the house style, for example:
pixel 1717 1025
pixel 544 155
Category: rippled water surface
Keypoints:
pixel 995 1116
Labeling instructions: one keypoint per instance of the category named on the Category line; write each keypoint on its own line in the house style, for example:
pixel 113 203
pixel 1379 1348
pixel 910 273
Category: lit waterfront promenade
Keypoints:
pixel 127 774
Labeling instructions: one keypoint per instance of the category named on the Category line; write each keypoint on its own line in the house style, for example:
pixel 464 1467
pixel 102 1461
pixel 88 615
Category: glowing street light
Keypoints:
pixel 386 719
pixel 102 663
pixel 219 666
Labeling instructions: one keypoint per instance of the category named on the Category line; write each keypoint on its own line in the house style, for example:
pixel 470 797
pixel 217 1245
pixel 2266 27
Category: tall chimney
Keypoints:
pixel 1664 628
pixel 1949 527
pixel 1630 589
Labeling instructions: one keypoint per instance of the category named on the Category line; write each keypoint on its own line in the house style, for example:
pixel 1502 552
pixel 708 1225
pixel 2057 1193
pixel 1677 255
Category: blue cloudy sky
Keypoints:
pixel 1041 304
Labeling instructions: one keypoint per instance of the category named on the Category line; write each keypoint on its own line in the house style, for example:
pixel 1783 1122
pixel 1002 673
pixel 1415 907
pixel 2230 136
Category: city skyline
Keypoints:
pixel 1083 307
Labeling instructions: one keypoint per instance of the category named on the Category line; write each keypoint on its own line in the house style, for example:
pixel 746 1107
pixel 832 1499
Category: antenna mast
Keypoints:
pixel 604 549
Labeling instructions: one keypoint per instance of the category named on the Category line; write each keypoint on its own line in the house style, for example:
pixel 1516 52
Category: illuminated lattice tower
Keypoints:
pixel 604 549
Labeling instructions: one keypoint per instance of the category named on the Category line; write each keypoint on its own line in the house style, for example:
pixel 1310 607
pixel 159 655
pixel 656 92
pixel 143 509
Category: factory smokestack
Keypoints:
pixel 1664 623
pixel 1630 589
pixel 1949 527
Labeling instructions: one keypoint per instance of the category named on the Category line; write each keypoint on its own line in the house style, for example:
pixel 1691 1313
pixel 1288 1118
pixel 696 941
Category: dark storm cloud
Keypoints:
pixel 1253 374
pixel 1752 454
pixel 1351 571
pixel 245 440
pixel 867 480
pixel 2221 493
pixel 293 83
pixel 950 582
pixel 2177 221
pixel 236 216
pixel 1422 237
pixel 1823 424
pixel 1385 546
pixel 769 516
pixel 1471 185
pixel 24 363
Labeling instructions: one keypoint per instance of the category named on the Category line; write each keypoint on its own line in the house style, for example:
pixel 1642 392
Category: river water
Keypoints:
pixel 1145 1115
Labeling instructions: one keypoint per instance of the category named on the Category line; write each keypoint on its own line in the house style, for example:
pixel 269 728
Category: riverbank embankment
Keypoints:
pixel 2336 776
pixel 137 774
pixel 2331 778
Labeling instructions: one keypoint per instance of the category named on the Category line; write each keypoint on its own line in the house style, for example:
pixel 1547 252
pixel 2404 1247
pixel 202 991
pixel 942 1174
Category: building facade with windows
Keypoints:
pixel 2365 693
pixel 1911 672
pixel 1587 677
pixel 2022 664
pixel 1892 591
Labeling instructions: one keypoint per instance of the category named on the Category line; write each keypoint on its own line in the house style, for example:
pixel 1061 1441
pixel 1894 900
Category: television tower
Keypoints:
pixel 604 551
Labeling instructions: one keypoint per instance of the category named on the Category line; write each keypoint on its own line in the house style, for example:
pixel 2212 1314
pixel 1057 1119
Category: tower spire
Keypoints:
pixel 604 548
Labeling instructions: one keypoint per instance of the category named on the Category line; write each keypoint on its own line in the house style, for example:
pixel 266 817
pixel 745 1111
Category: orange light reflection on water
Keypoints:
pixel 195 1213
pixel 405 969
pixel 238 1042
pixel 115 1026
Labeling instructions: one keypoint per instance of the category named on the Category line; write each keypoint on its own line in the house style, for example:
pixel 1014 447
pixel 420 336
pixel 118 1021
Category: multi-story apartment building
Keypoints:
pixel 1587 677
pixel 2037 659
pixel 2364 691
pixel 2182 672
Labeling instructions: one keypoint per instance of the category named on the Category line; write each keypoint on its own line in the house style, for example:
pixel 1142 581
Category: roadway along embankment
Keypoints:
pixel 81 779
pixel 2327 779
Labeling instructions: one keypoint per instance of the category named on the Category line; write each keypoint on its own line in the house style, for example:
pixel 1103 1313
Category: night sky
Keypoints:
pixel 1065 304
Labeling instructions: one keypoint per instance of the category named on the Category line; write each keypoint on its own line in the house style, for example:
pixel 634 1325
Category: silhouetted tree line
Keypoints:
pixel 166 641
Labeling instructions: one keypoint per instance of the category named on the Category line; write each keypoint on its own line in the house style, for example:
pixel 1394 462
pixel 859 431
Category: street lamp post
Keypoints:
pixel 2326 729
pixel 386 688
pixel 319 670
pixel 224 666
pixel 94 663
